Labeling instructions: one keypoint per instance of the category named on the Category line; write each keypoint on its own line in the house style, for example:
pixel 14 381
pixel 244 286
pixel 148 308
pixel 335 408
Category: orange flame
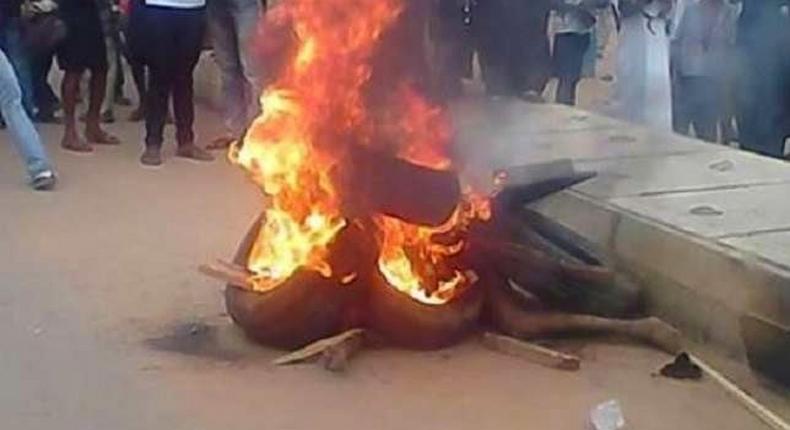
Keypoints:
pixel 313 111
pixel 316 103
pixel 416 260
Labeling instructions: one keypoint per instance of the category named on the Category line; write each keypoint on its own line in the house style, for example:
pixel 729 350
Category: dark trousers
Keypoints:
pixel 698 103
pixel 569 50
pixel 45 98
pixel 499 29
pixel 175 39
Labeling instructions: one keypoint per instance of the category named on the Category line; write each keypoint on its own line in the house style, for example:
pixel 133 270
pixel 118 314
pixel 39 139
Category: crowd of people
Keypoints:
pixel 719 69
pixel 94 42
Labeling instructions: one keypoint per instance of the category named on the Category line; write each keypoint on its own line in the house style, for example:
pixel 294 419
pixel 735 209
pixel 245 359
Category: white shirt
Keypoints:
pixel 177 4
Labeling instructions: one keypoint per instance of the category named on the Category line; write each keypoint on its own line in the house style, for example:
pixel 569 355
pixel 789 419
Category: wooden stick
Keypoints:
pixel 756 408
pixel 317 348
pixel 227 272
pixel 531 352
pixel 337 357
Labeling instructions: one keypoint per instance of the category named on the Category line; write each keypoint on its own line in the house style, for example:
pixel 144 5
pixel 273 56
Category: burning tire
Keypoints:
pixel 413 324
pixel 304 308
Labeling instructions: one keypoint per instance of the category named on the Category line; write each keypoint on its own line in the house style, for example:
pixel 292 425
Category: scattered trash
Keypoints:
pixel 607 416
pixel 722 166
pixel 682 368
pixel 705 210
pixel 37 331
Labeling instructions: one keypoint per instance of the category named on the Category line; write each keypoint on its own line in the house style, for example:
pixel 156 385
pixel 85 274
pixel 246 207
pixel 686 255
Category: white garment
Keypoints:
pixel 643 92
pixel 177 4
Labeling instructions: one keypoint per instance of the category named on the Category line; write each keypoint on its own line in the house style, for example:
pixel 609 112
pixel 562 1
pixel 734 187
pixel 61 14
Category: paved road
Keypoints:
pixel 97 281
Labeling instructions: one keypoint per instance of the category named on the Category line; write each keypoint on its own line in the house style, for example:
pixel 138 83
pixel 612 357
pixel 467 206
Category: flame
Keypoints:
pixel 417 260
pixel 313 106
pixel 313 111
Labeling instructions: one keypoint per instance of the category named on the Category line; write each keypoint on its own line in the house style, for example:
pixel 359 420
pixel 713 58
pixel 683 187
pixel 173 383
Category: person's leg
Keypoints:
pixel 757 104
pixel 158 24
pixel 707 120
pixel 569 50
pixel 490 41
pixel 133 49
pixel 18 55
pixel 44 98
pixel 120 82
pixel 247 15
pixel 97 88
pixel 111 79
pixel 23 134
pixel 225 41
pixel 682 96
pixel 70 87
pixel 156 107
pixel 139 76
pixel 188 47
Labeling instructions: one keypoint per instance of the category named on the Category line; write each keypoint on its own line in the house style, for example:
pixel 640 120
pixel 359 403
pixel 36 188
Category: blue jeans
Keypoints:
pixel 232 24
pixel 23 135
pixel 19 57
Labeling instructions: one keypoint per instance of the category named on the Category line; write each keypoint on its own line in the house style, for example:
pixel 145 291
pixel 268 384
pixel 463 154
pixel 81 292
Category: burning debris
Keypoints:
pixel 368 225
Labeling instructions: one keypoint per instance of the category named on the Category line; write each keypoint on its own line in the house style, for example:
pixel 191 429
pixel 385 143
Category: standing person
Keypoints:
pixel 452 45
pixel 500 46
pixel 110 19
pixel 763 50
pixel 573 36
pixel 45 99
pixel 40 55
pixel 232 25
pixel 23 134
pixel 537 51
pixel 513 44
pixel 703 41
pixel 83 49
pixel 642 92
pixel 131 12
pixel 169 34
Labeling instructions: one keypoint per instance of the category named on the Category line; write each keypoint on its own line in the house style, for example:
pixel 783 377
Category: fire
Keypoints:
pixel 416 260
pixel 315 104
pixel 313 112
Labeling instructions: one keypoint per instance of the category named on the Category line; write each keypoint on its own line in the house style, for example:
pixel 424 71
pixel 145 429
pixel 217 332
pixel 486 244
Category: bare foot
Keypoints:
pixel 72 142
pixel 100 137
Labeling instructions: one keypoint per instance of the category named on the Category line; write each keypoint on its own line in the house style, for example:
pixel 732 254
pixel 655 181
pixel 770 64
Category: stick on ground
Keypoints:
pixel 321 347
pixel 531 352
pixel 227 272
pixel 756 408
pixel 337 357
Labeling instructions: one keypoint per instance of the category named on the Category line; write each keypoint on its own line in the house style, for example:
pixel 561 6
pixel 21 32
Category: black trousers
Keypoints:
pixel 498 27
pixel 569 50
pixel 171 39
pixel 44 97
pixel 699 102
